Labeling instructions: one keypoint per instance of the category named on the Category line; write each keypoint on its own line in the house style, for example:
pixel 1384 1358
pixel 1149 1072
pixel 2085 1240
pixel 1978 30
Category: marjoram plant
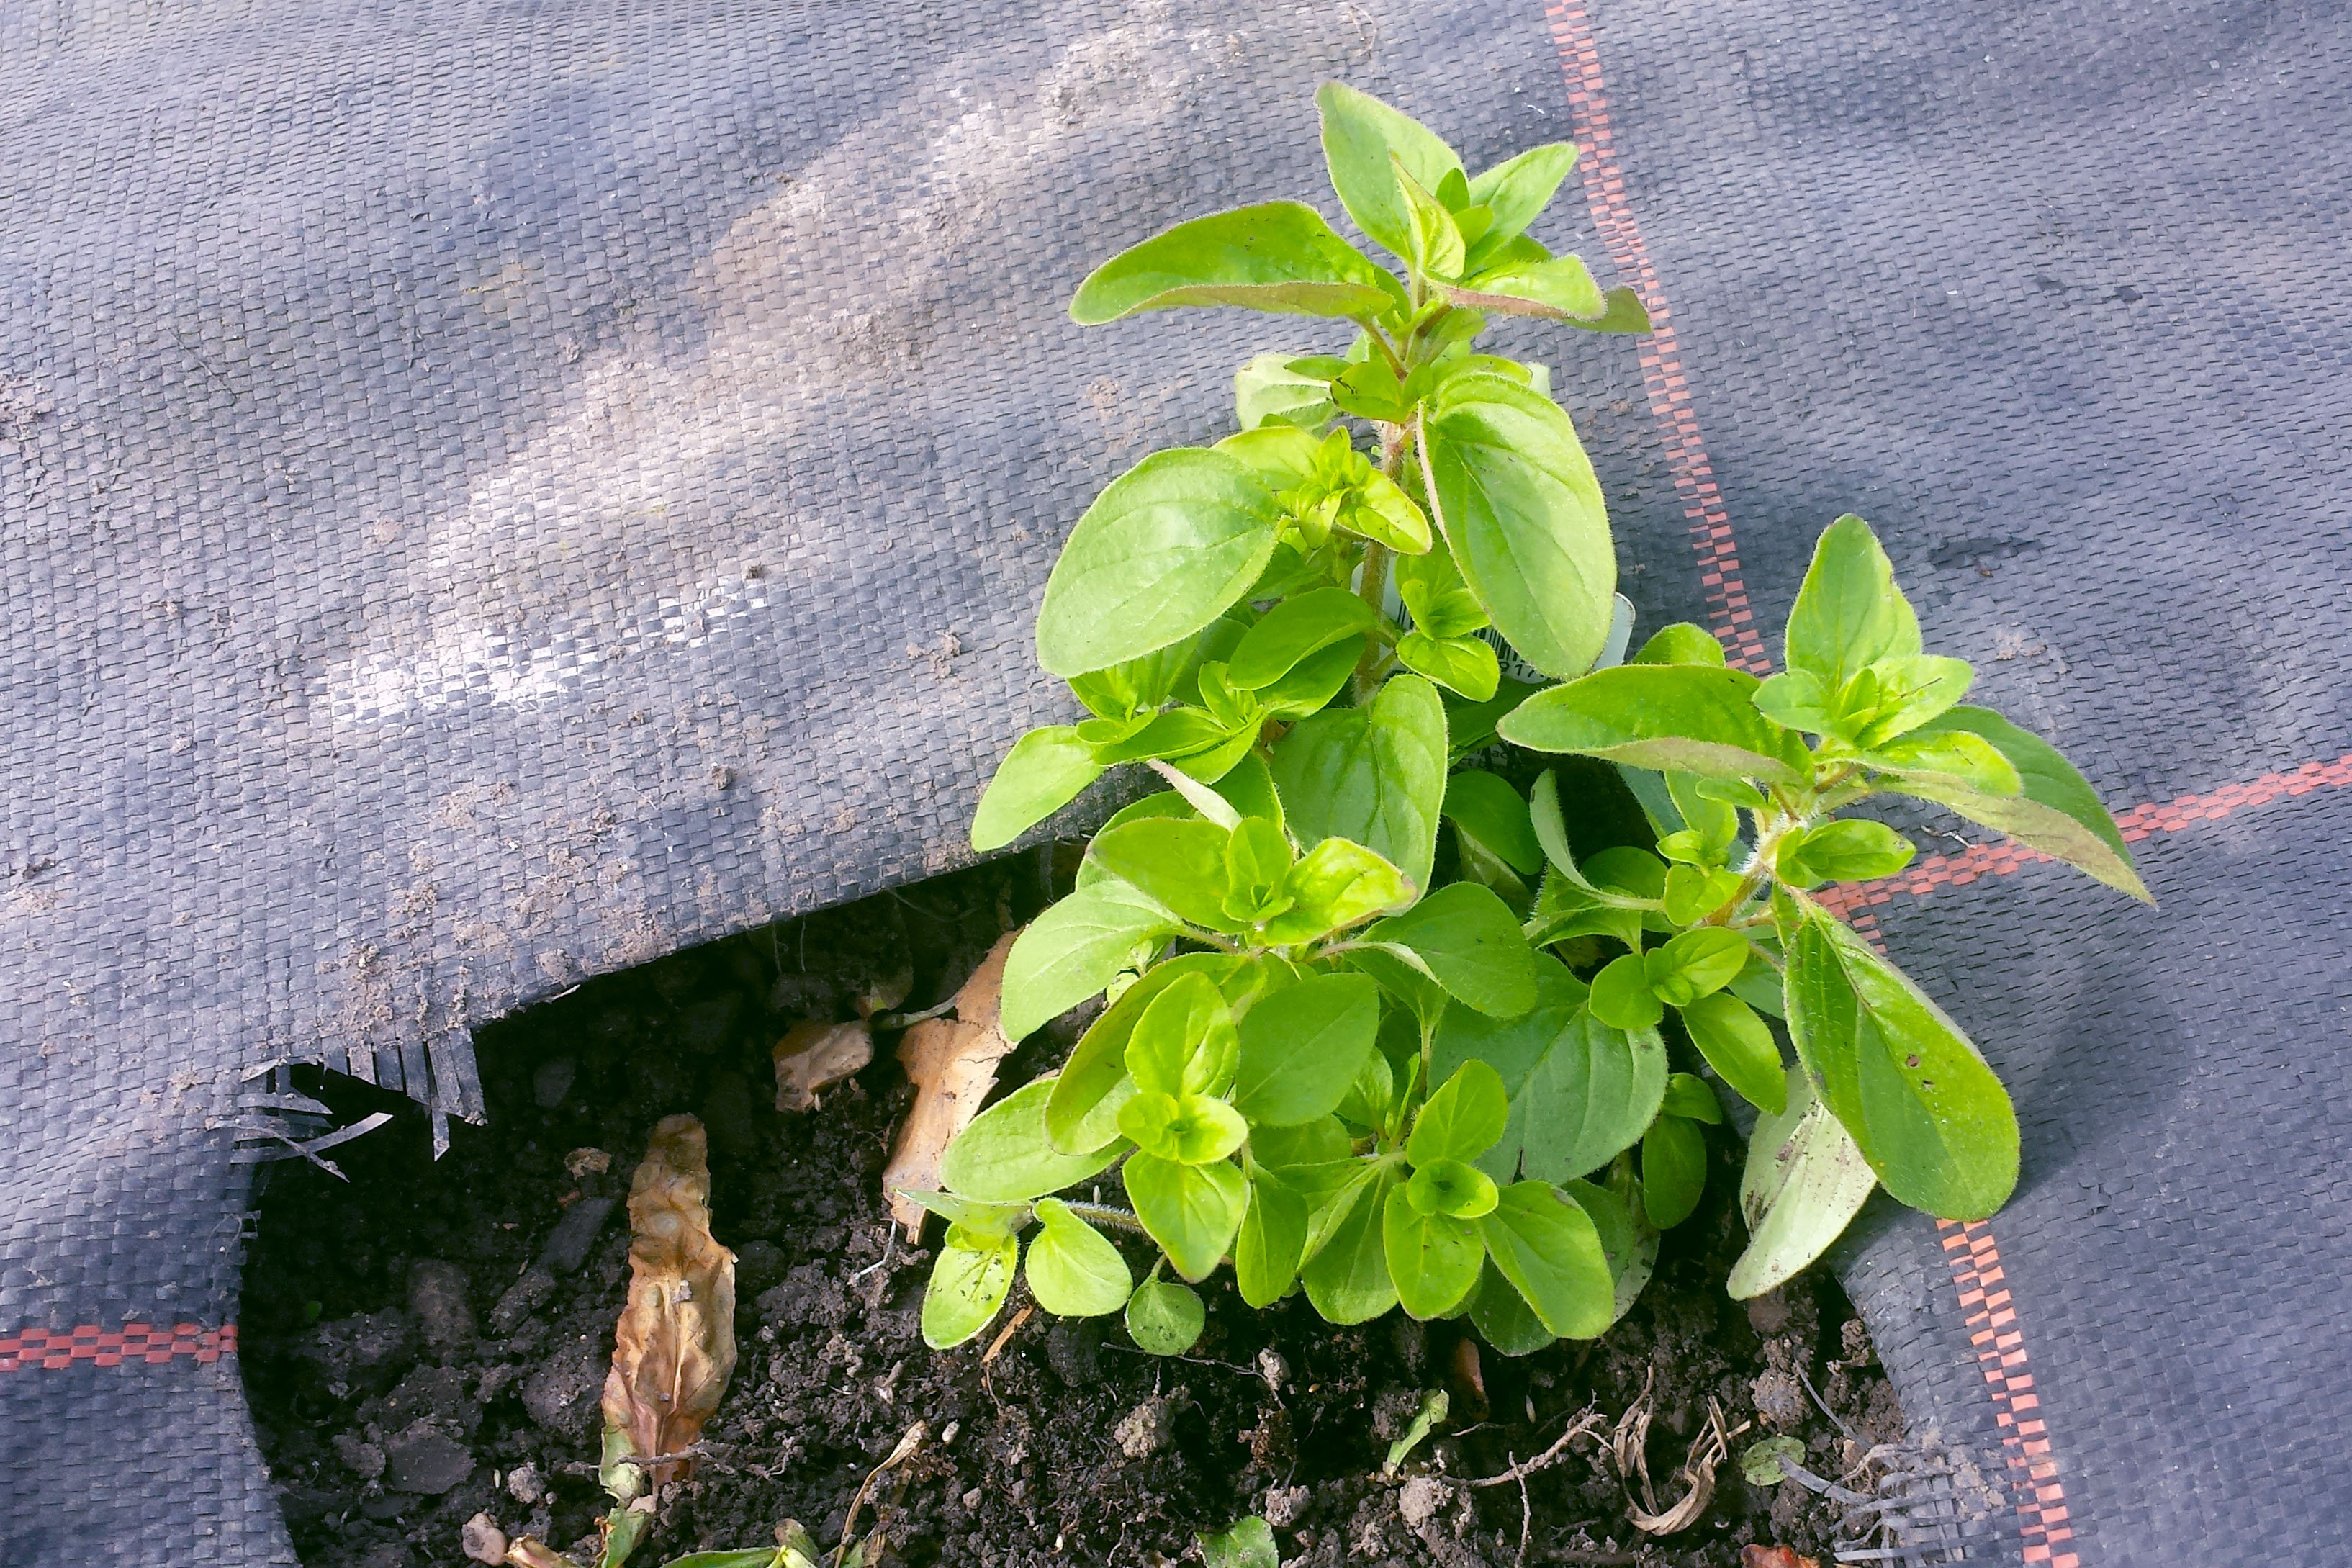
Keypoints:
pixel 1348 1063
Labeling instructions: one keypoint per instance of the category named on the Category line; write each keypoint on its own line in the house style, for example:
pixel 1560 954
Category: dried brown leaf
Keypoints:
pixel 1697 1476
pixel 814 1057
pixel 675 1347
pixel 952 1063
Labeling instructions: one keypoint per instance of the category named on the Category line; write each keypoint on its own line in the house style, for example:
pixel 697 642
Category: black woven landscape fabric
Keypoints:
pixel 494 493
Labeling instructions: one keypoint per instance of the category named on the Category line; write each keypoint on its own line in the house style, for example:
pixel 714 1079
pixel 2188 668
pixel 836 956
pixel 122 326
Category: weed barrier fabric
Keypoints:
pixel 489 495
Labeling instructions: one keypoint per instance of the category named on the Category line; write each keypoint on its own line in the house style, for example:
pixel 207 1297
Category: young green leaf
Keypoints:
pixel 1076 949
pixel 1695 964
pixel 1191 1211
pixel 1294 629
pixel 1284 389
pixel 1463 1120
pixel 1072 1269
pixel 1557 290
pixel 1946 761
pixel 1680 643
pixel 1674 1170
pixel 1622 310
pixel 1317 1142
pixel 1164 1318
pixel 1335 885
pixel 1547 1247
pixel 1271 1238
pixel 1485 806
pixel 1690 718
pixel 1854 850
pixel 1045 771
pixel 1004 1155
pixel 1433 1258
pixel 1348 1278
pixel 1184 1129
pixel 968 1285
pixel 1178 865
pixel 1471 945
pixel 1303 1046
pixel 1927 1114
pixel 1185 1044
pixel 1502 1317
pixel 1519 504
pixel 1518 189
pixel 1434 244
pixel 1513 1047
pixel 1082 1112
pixel 1468 664
pixel 1621 995
pixel 1849 614
pixel 2058 813
pixel 1627 1239
pixel 1805 1181
pixel 1374 775
pixel 1381 510
pixel 1451 1187
pixel 1165 549
pixel 1588 1098
pixel 1280 257
pixel 1739 1046
pixel 1360 134
pixel 1906 692
pixel 1249 1544
pixel 1689 1096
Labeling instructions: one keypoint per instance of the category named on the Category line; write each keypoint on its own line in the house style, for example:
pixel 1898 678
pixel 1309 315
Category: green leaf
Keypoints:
pixel 1433 1258
pixel 1425 1418
pixel 1695 964
pixel 1588 1098
pixel 1452 1187
pixel 1315 1143
pixel 1513 1047
pixel 1302 1047
pixel 1849 614
pixel 1622 310
pixel 1559 289
pixel 1280 257
pixel 2059 813
pixel 1374 775
pixel 1076 949
pixel 1519 504
pixel 1083 1110
pixel 1502 1317
pixel 1805 1181
pixel 1191 1211
pixel 1680 643
pixel 1044 772
pixel 1928 1114
pixel 1271 389
pixel 1161 552
pixel 1421 998
pixel 1621 996
pixel 1515 191
pixel 1248 788
pixel 1906 692
pixel 1257 862
pixel 1072 1268
pixel 1935 761
pixel 1468 664
pixel 1178 864
pixel 1760 1463
pixel 980 1219
pixel 1382 510
pixel 1135 687
pixel 1002 1156
pixel 767 1557
pixel 1854 850
pixel 1546 1245
pixel 1471 945
pixel 1360 134
pixel 1674 1170
pixel 1463 1120
pixel 1692 894
pixel 1629 1243
pixel 1249 1544
pixel 1485 806
pixel 1185 1043
pixel 1310 685
pixel 1272 1239
pixel 1739 1046
pixel 1335 885
pixel 1164 1318
pixel 1348 1278
pixel 968 1285
pixel 1186 1129
pixel 1294 629
pixel 1433 243
pixel 1669 717
pixel 1434 595
pixel 1689 1096
pixel 1175 733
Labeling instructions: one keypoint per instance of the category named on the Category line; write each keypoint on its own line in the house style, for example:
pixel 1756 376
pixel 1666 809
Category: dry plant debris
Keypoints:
pixel 952 1064
pixel 814 1057
pixel 1774 1557
pixel 675 1347
pixel 1629 1446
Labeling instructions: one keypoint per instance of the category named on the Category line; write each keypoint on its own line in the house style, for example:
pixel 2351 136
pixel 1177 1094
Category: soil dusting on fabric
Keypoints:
pixel 425 1343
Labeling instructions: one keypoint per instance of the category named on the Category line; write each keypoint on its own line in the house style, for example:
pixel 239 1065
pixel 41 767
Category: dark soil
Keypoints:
pixel 426 1341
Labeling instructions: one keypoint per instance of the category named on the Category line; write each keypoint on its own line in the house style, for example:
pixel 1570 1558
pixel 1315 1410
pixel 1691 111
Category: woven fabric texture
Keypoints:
pixel 494 494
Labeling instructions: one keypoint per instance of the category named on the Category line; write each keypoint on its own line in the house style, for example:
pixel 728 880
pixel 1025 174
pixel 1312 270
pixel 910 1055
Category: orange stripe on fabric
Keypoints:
pixel 147 1344
pixel 1729 616
pixel 1999 1343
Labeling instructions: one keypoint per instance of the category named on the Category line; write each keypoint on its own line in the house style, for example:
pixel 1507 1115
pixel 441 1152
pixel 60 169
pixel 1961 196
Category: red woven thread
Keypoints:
pixel 144 1343
pixel 1729 616
pixel 1999 1343
pixel 2170 816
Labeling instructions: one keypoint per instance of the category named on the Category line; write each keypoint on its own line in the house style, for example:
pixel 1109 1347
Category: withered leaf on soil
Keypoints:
pixel 674 1349
pixel 952 1063
pixel 814 1057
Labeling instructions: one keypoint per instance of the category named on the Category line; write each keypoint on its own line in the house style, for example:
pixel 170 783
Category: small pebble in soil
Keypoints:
pixel 482 1539
pixel 1143 1430
pixel 1780 1401
pixel 524 1486
pixel 1419 1499
pixel 437 1295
